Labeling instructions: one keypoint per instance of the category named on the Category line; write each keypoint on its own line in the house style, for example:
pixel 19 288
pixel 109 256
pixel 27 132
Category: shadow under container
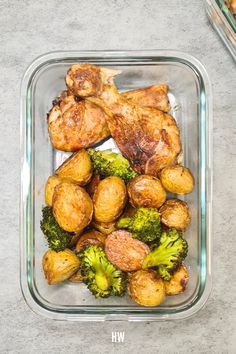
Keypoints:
pixel 190 98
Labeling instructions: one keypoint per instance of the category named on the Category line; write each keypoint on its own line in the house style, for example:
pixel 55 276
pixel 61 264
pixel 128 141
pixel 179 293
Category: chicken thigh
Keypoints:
pixel 147 137
pixel 75 124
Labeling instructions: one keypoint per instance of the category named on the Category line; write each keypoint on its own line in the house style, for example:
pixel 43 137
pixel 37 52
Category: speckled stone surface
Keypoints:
pixel 30 28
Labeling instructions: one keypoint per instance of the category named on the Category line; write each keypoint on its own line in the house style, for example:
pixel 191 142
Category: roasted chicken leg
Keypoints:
pixel 147 137
pixel 75 124
pixel 153 96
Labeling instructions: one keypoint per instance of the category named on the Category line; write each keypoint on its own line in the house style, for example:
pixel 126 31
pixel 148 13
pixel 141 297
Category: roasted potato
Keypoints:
pixel 78 168
pixel 93 184
pixel 146 191
pixel 104 227
pixel 51 183
pixel 76 277
pixel 178 281
pixel 90 237
pixel 146 288
pixel 175 213
pixel 72 207
pixel 177 179
pixel 124 251
pixel 109 199
pixel 59 266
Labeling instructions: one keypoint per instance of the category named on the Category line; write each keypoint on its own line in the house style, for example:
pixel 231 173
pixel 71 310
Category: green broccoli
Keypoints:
pixel 100 276
pixel 57 238
pixel 108 163
pixel 168 255
pixel 145 225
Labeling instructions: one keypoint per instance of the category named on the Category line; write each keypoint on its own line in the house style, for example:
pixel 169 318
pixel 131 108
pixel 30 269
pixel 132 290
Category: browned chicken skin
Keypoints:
pixel 74 125
pixel 166 146
pixel 85 80
pixel 153 96
pixel 147 137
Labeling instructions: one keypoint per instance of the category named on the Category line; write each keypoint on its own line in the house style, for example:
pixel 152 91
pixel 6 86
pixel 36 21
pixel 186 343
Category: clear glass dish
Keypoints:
pixel 223 22
pixel 190 97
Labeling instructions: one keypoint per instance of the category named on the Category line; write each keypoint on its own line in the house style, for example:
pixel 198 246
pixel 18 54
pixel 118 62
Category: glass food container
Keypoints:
pixel 223 22
pixel 190 97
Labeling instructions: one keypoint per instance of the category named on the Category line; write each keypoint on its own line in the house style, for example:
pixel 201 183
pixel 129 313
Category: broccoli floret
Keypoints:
pixel 145 225
pixel 108 163
pixel 100 276
pixel 57 238
pixel 168 255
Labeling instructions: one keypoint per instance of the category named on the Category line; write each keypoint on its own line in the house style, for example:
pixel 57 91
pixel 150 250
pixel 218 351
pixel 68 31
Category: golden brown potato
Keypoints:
pixel 59 266
pixel 90 237
pixel 93 184
pixel 124 251
pixel 178 281
pixel 78 167
pixel 177 179
pixel 76 277
pixel 146 288
pixel 51 183
pixel 72 207
pixel 109 199
pixel 146 191
pixel 104 227
pixel 175 213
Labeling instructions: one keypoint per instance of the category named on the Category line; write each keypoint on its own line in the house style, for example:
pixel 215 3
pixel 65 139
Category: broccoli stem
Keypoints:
pixel 101 280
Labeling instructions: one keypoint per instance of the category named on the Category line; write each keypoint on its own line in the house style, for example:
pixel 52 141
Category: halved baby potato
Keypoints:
pixel 146 288
pixel 50 185
pixel 109 199
pixel 177 179
pixel 146 191
pixel 175 213
pixel 72 207
pixel 78 168
pixel 59 266
pixel 178 281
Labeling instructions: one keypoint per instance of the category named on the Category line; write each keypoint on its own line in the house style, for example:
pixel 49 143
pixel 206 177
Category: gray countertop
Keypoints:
pixel 30 28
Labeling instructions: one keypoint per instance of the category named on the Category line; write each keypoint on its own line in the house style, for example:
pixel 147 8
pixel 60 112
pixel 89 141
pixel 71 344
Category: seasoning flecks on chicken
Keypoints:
pixel 86 80
pixel 147 137
pixel 152 96
pixel 75 124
